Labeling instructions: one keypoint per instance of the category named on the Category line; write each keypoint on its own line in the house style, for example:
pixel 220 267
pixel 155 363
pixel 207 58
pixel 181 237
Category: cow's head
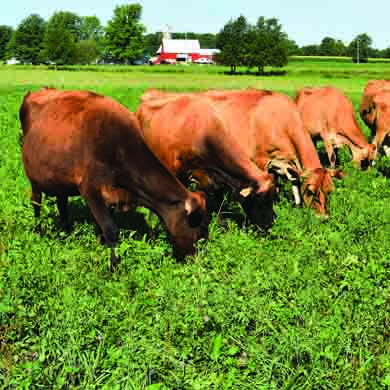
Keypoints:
pixel 372 108
pixel 375 112
pixel 364 157
pixel 368 112
pixel 257 201
pixel 187 222
pixel 316 188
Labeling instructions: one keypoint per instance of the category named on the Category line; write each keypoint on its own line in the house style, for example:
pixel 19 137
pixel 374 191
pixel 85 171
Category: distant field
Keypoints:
pixel 346 75
pixel 306 307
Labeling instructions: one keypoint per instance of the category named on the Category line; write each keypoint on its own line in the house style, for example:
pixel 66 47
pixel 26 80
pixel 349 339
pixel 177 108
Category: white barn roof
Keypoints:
pixel 185 46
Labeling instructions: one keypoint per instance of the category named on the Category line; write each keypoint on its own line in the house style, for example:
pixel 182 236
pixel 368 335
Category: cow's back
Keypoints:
pixel 66 131
pixel 326 108
pixel 280 133
pixel 236 107
pixel 177 128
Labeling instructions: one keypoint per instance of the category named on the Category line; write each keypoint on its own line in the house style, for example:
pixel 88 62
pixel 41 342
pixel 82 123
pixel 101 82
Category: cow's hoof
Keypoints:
pixel 38 230
pixel 114 262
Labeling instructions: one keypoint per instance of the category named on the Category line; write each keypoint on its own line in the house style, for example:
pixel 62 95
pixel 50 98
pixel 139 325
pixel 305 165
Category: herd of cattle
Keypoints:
pixel 82 143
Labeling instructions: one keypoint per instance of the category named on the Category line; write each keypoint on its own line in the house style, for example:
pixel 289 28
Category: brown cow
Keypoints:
pixel 189 137
pixel 375 112
pixel 269 128
pixel 82 143
pixel 328 114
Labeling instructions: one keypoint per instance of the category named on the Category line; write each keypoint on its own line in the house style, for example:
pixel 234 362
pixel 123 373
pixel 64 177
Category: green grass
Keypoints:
pixel 307 307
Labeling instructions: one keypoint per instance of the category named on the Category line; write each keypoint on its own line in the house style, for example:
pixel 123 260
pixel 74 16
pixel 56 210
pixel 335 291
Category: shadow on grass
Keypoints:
pixel 140 220
pixel 262 74
pixel 143 223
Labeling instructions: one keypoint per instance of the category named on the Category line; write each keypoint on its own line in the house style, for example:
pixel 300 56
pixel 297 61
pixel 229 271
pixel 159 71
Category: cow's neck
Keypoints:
pixel 150 181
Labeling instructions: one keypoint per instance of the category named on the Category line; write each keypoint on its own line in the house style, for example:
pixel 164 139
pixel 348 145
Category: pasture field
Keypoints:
pixel 305 307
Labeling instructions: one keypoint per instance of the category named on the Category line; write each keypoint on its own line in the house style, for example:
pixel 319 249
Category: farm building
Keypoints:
pixel 182 50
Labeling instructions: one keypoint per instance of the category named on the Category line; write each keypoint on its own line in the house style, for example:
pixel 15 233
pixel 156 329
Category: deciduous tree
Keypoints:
pixel 310 50
pixel 60 38
pixel 360 47
pixel 5 37
pixel 90 29
pixel 268 44
pixel 124 33
pixel 232 40
pixel 152 42
pixel 328 47
pixel 27 41
pixel 86 52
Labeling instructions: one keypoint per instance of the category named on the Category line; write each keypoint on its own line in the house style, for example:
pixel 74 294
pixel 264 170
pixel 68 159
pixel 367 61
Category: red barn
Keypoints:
pixel 182 50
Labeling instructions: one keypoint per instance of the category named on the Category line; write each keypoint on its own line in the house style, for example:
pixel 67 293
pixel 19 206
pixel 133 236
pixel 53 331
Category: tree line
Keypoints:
pixel 362 44
pixel 67 38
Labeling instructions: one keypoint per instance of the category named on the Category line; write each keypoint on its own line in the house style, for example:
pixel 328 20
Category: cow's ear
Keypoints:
pixel 196 201
pixel 293 173
pixel 245 192
pixel 195 207
pixel 336 173
pixel 381 100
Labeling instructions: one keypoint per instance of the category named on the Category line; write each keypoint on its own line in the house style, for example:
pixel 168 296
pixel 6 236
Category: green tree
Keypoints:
pixel 328 47
pixel 374 53
pixel 60 39
pixel 124 33
pixel 385 53
pixel 27 40
pixel 207 41
pixel 269 44
pixel 90 29
pixel 178 35
pixel 5 37
pixel 310 50
pixel 152 42
pixel 340 48
pixel 360 46
pixel 86 52
pixel 332 47
pixel 70 21
pixel 233 43
pixel 90 35
pixel 184 35
pixel 292 48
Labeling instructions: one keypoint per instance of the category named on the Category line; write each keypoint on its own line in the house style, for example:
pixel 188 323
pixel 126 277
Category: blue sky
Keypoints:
pixel 305 21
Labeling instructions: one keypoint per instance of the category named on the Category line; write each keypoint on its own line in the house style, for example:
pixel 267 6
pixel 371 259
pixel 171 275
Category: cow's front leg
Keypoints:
pixel 330 152
pixel 296 193
pixel 104 219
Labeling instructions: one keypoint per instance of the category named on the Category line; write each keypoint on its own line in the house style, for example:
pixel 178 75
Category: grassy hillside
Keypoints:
pixel 305 307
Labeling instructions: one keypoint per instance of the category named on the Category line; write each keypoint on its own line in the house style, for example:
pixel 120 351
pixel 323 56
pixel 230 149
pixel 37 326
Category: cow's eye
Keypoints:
pixel 195 219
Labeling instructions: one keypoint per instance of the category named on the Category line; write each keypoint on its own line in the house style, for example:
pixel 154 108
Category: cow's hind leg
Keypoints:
pixel 36 200
pixel 62 205
pixel 104 219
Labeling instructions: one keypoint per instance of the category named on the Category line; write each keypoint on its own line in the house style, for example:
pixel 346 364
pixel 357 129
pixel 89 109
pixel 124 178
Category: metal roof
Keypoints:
pixel 180 46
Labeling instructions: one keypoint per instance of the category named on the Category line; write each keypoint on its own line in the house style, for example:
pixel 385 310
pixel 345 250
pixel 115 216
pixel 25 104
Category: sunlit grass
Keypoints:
pixel 306 307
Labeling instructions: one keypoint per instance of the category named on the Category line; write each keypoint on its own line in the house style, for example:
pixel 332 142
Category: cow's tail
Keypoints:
pixel 23 113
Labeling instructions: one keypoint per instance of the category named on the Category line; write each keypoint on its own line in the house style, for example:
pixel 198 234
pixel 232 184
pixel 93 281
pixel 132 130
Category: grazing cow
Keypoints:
pixel 82 143
pixel 375 112
pixel 189 136
pixel 328 114
pixel 269 128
